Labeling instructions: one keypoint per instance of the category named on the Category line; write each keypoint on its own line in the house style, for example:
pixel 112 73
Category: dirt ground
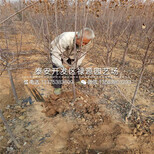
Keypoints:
pixel 87 126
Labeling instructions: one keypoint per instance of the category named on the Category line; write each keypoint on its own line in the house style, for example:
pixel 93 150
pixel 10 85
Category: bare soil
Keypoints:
pixel 86 126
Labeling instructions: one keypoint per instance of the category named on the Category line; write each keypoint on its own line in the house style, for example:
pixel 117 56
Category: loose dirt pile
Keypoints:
pixel 85 126
pixel 62 104
pixel 90 129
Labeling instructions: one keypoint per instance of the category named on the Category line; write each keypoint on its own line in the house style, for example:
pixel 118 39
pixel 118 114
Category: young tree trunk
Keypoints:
pixel 12 85
pixel 140 78
pixel 8 130
pixel 108 58
pixel 123 58
pixel 151 79
pixel 75 64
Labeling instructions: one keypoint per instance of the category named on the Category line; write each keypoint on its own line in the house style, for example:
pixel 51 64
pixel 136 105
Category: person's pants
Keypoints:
pixel 57 77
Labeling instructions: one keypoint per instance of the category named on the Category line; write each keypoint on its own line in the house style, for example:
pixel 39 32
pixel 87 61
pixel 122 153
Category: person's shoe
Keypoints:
pixel 79 83
pixel 57 91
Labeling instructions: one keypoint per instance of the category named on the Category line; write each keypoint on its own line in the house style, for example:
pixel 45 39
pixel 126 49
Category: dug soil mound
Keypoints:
pixel 88 128
pixel 63 103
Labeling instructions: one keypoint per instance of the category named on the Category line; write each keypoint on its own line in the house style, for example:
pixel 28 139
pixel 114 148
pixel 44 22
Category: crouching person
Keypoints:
pixel 63 54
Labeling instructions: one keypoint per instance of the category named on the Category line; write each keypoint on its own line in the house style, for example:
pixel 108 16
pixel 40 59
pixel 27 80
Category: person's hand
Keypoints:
pixel 66 66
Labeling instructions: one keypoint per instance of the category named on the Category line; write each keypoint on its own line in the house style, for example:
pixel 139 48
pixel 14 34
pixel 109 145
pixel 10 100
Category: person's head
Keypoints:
pixel 84 36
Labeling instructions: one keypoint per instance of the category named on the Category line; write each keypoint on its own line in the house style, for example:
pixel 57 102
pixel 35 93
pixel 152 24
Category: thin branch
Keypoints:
pixel 18 12
pixel 140 78
pixel 56 17
pixel 9 130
